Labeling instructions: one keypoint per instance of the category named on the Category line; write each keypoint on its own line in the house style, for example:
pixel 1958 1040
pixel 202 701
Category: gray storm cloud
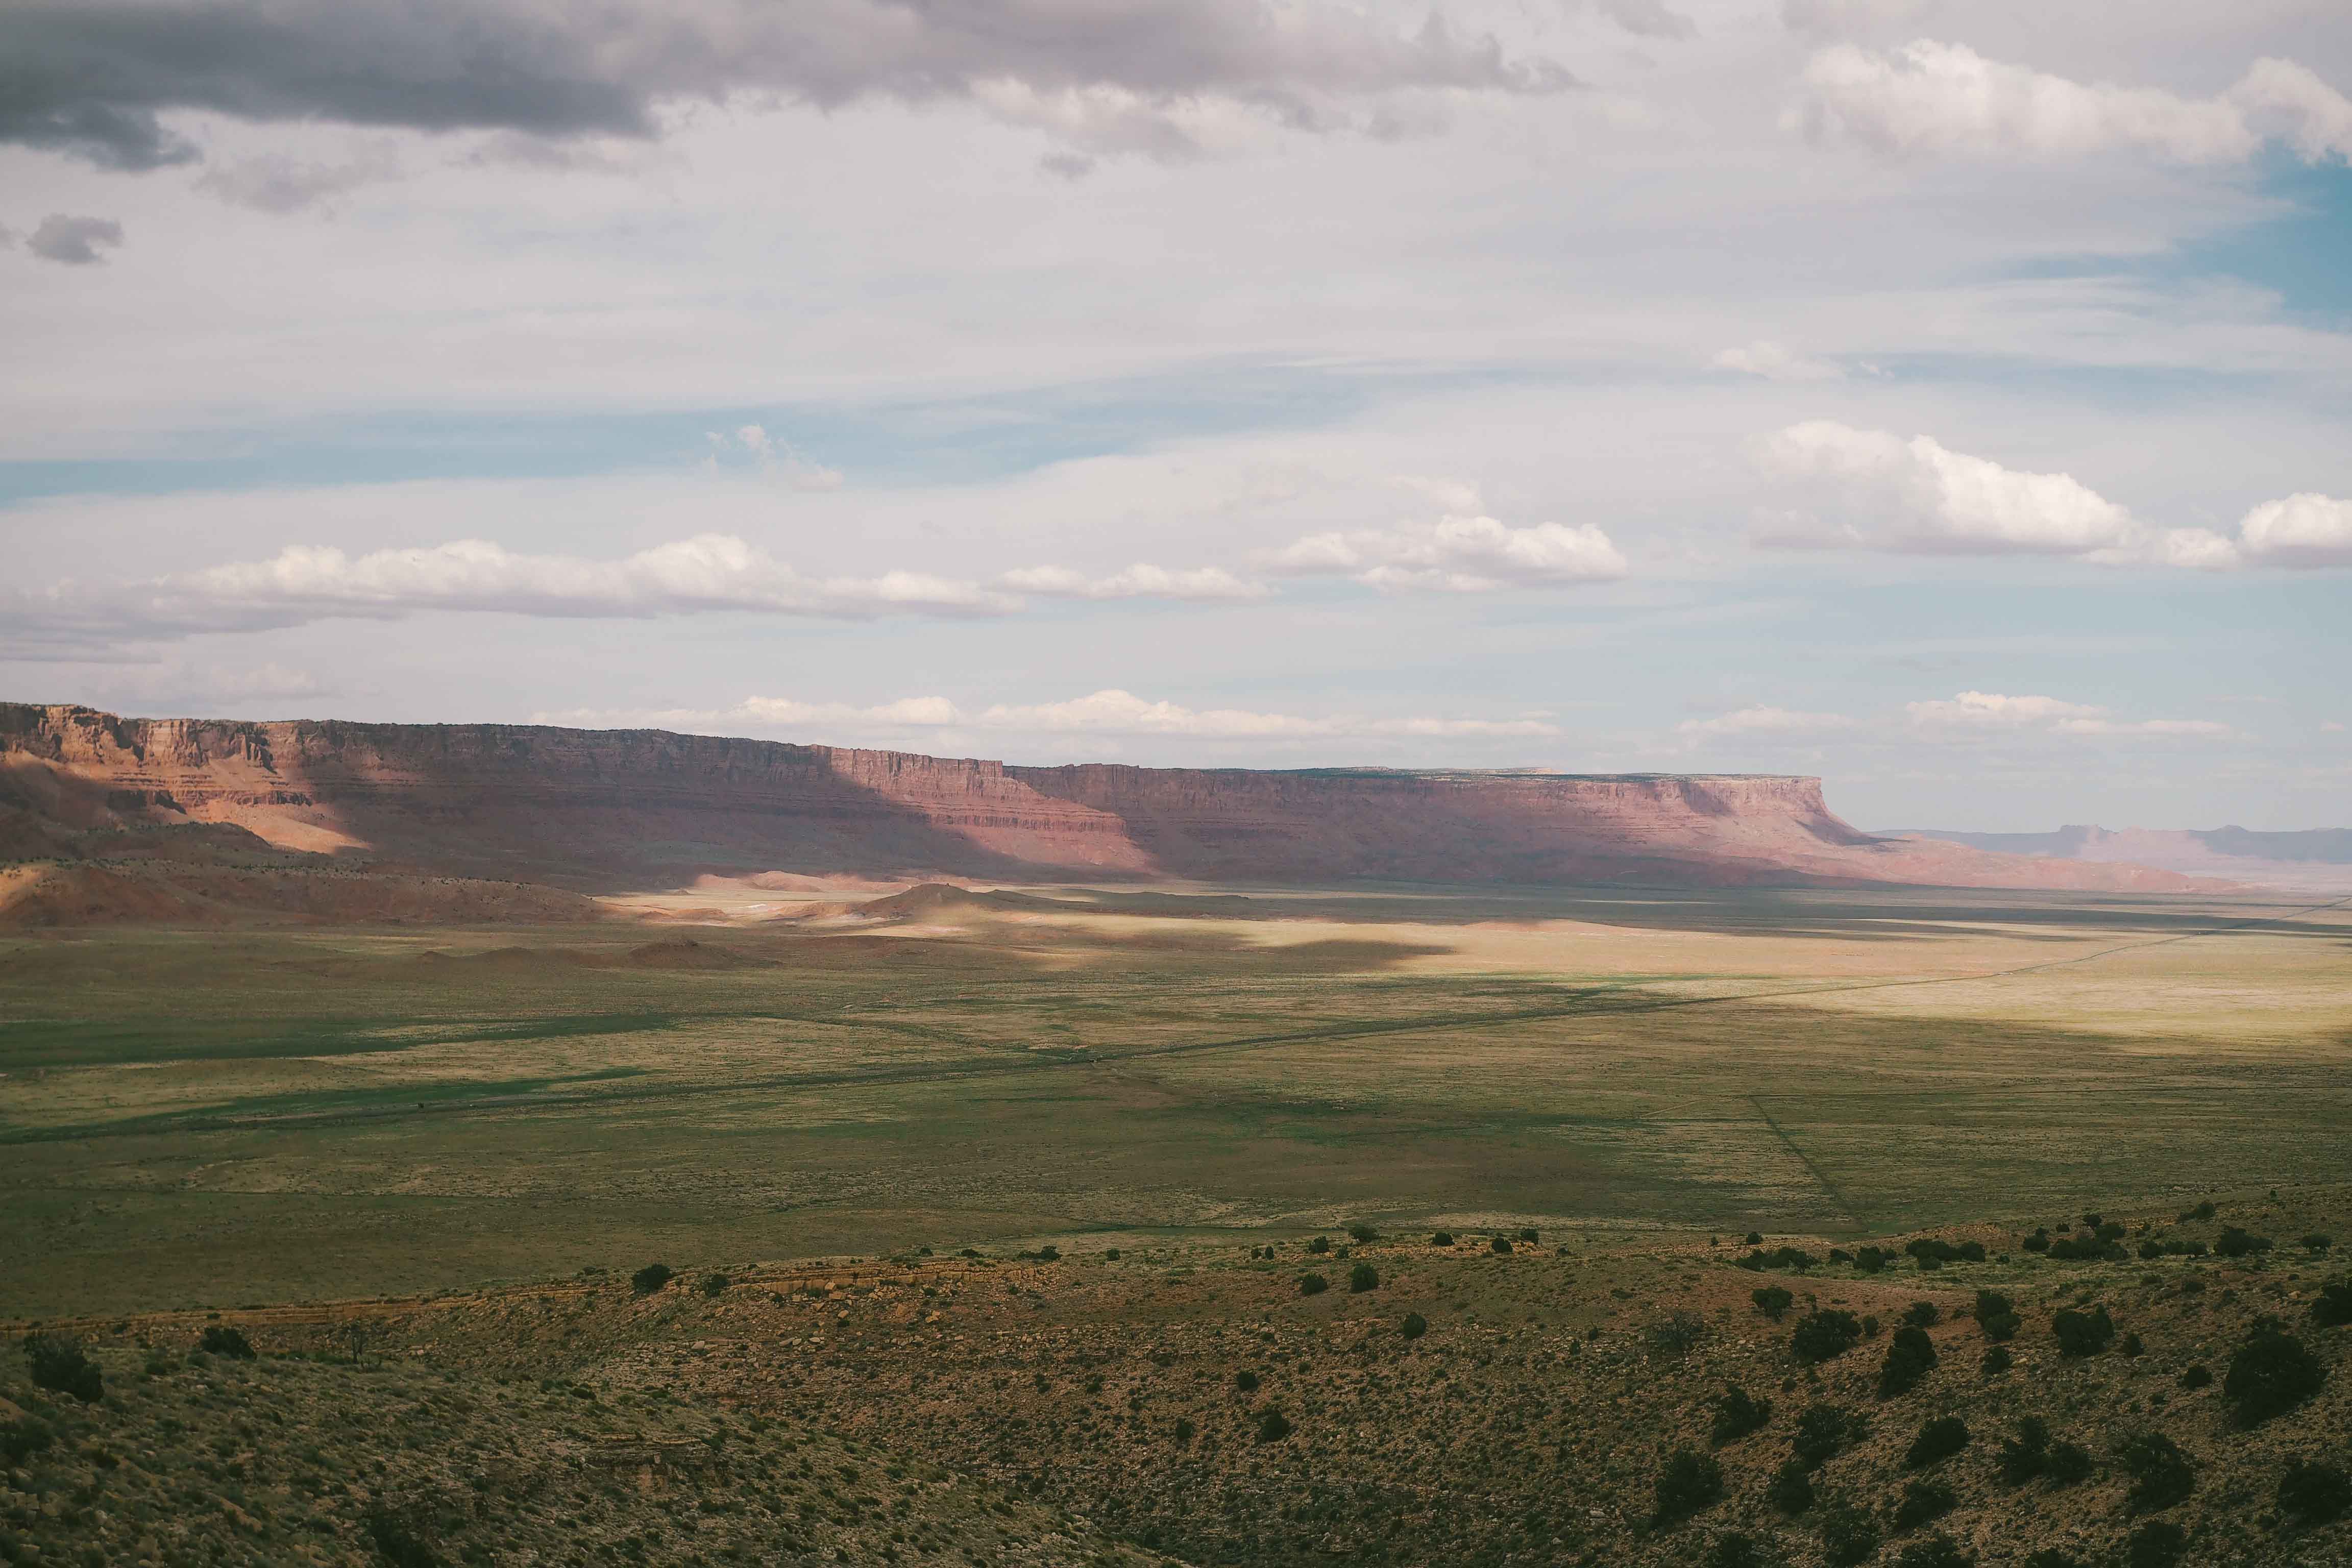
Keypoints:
pixel 94 78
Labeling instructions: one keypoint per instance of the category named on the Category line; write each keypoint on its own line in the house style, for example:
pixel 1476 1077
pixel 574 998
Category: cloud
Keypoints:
pixel 95 77
pixel 1140 581
pixel 1457 555
pixel 1931 98
pixel 1764 723
pixel 1990 712
pixel 273 182
pixel 2301 530
pixel 708 572
pixel 1775 361
pixel 75 241
pixel 1108 712
pixel 1883 492
pixel 750 445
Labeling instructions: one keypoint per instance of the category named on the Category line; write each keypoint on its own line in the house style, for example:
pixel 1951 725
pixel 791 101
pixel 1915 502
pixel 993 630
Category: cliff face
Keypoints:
pixel 637 806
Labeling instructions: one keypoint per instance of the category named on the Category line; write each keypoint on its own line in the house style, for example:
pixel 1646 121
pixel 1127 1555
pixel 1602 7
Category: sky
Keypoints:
pixel 1950 398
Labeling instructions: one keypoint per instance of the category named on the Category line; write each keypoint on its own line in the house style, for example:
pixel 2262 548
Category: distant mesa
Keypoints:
pixel 93 795
pixel 2310 859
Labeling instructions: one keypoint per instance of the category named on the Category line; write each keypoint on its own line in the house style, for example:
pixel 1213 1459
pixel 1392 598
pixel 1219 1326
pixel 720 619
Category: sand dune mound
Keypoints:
pixel 153 892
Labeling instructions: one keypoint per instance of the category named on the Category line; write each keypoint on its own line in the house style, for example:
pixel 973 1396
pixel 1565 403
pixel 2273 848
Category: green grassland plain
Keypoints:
pixel 219 1118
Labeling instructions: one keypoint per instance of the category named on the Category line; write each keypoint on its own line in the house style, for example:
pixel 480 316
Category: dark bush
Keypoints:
pixel 2067 1464
pixel 1527 1233
pixel 1755 1238
pixel 2157 1543
pixel 2083 1333
pixel 57 1363
pixel 2133 1346
pixel 2024 1456
pixel 1772 1300
pixel 1413 1326
pixel 22 1439
pixel 1441 1238
pixel 1737 1415
pixel 1246 1381
pixel 651 1278
pixel 2039 1241
pixel 1184 1429
pixel 2316 1242
pixel 1996 1359
pixel 715 1284
pixel 2197 1377
pixel 1938 1440
pixel 1363 1233
pixel 1823 1335
pixel 2202 1211
pixel 1363 1277
pixel 1872 1259
pixel 1825 1431
pixel 2332 1307
pixel 2235 1243
pixel 2312 1492
pixel 1273 1426
pixel 1936 1552
pixel 1736 1549
pixel 1500 1244
pixel 1848 1537
pixel 1996 1316
pixel 2086 1249
pixel 1675 1335
pixel 1319 1245
pixel 2271 1374
pixel 1910 1356
pixel 1922 1501
pixel 1690 1483
pixel 1922 1315
pixel 1869 1325
pixel 1313 1284
pixel 1792 1487
pixel 398 1542
pixel 221 1340
pixel 2161 1474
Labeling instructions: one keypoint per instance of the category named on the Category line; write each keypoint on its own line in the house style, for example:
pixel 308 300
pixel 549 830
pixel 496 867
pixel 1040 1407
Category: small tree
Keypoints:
pixel 2161 1474
pixel 1363 1233
pixel 1823 1335
pixel 1441 1238
pixel 1848 1537
pixel 1246 1381
pixel 1910 1356
pixel 56 1362
pixel 1363 1277
pixel 715 1284
pixel 2271 1374
pixel 1413 1326
pixel 651 1278
pixel 2314 1493
pixel 1772 1300
pixel 1790 1490
pixel 221 1340
pixel 2083 1333
pixel 2332 1307
pixel 2024 1456
pixel 1996 1359
pixel 1273 1426
pixel 1737 1415
pixel 1313 1284
pixel 1922 1315
pixel 1824 1431
pixel 2067 1464
pixel 1499 1244
pixel 1938 1440
pixel 1736 1549
pixel 1996 1316
pixel 1923 1502
pixel 1319 1245
pixel 2234 1242
pixel 2157 1543
pixel 1690 1483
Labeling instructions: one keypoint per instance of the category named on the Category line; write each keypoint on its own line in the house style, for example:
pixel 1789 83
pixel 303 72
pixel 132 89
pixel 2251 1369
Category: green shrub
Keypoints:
pixel 2316 1242
pixel 1936 1552
pixel 1825 1431
pixel 2083 1333
pixel 1910 1356
pixel 2202 1212
pixel 2235 1243
pixel 1273 1426
pixel 1313 1284
pixel 1996 1359
pixel 2197 1377
pixel 221 1340
pixel 2332 1307
pixel 2161 1474
pixel 1923 1502
pixel 1772 1300
pixel 1824 1335
pixel 2067 1464
pixel 1528 1233
pixel 1938 1440
pixel 1441 1238
pixel 1737 1415
pixel 1363 1233
pixel 22 1439
pixel 1755 1238
pixel 651 1278
pixel 1363 1277
pixel 1996 1317
pixel 396 1540
pixel 1690 1483
pixel 2024 1456
pixel 56 1362
pixel 1246 1381
pixel 2312 1492
pixel 1413 1326
pixel 1184 1429
pixel 1791 1491
pixel 1848 1537
pixel 1872 1259
pixel 1319 1245
pixel 2157 1543
pixel 1736 1549
pixel 2039 1241
pixel 2271 1374
pixel 1499 1244
pixel 1675 1335
pixel 1922 1315
pixel 715 1284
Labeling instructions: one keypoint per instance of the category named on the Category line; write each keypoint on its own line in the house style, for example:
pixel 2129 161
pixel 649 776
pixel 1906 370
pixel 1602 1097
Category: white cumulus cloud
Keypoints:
pixel 1775 362
pixel 1457 554
pixel 2301 530
pixel 1992 713
pixel 1944 98
pixel 1142 581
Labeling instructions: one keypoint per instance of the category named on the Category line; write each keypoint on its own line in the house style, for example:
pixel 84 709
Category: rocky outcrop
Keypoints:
pixel 611 808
